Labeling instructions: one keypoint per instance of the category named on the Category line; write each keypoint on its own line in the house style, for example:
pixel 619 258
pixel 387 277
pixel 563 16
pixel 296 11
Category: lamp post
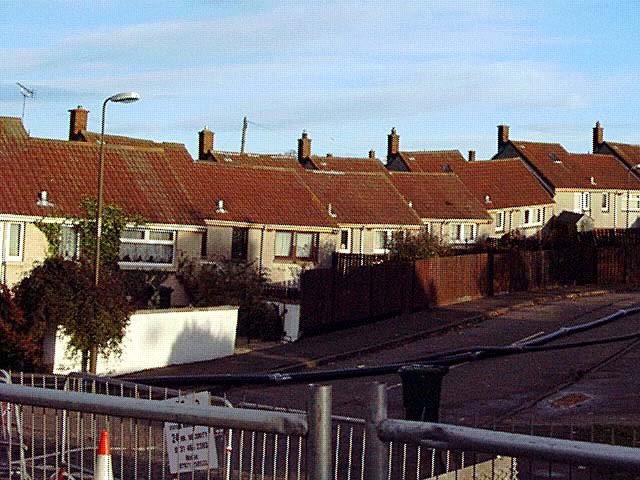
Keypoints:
pixel 124 97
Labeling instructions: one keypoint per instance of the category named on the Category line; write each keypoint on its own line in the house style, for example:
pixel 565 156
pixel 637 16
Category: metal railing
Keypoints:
pixel 46 428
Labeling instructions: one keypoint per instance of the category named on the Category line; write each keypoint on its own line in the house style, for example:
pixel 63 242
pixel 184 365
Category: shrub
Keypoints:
pixel 227 282
pixel 411 247
pixel 17 348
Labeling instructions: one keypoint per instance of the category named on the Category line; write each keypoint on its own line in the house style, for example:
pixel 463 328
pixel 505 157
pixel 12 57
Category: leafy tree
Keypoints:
pixel 228 282
pixel 17 348
pixel 408 248
pixel 62 293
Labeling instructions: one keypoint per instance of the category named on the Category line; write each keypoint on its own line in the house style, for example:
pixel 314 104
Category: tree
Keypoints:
pixel 17 348
pixel 408 248
pixel 62 293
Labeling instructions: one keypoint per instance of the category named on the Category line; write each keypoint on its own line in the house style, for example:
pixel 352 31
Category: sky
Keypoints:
pixel 443 73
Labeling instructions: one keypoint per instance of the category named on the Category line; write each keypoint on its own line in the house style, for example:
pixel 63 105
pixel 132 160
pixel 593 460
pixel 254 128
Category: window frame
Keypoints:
pixel 462 227
pixel 605 206
pixel 5 229
pixel 146 240
pixel 293 251
pixel 585 201
pixel 500 225
pixel 347 248
pixel 388 237
pixel 533 215
pixel 629 198
pixel 76 232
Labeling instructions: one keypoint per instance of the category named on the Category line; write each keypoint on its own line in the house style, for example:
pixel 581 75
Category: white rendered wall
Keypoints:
pixel 291 319
pixel 157 338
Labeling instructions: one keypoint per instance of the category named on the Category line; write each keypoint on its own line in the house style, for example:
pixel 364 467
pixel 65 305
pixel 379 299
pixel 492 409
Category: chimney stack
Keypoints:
pixel 304 147
pixel 598 137
pixel 472 155
pixel 205 143
pixel 77 122
pixel 393 143
pixel 372 154
pixel 503 136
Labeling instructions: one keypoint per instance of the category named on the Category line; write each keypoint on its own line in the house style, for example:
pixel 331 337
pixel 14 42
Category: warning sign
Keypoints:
pixel 190 448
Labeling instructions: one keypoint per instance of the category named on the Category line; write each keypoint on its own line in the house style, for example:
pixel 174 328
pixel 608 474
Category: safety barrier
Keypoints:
pixel 46 429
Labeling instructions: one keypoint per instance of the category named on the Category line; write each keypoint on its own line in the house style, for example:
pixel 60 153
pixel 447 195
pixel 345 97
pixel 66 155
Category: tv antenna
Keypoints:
pixel 26 92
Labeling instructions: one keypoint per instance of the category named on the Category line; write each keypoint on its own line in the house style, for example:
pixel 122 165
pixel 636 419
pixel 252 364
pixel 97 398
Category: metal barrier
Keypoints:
pixel 46 428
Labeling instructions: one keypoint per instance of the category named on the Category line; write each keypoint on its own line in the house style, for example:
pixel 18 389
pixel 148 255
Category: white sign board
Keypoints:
pixel 190 448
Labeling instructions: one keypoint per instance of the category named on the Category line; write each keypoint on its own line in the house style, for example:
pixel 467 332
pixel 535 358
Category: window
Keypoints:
pixel 585 201
pixel 463 232
pixel 632 201
pixel 499 221
pixel 147 246
pixel 344 245
pixel 531 216
pixel 239 243
pixel 296 245
pixel 69 248
pixel 13 241
pixel 381 240
pixel 605 201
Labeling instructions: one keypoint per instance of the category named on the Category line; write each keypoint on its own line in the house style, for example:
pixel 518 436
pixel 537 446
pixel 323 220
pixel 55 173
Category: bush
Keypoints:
pixel 17 348
pixel 408 248
pixel 227 282
pixel 62 293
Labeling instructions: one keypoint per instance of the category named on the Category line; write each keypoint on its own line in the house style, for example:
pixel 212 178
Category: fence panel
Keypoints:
pixel 391 286
pixel 611 266
pixel 352 295
pixel 318 298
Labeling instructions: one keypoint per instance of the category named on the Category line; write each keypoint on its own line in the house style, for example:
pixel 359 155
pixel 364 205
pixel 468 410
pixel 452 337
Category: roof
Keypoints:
pixel 436 161
pixel 93 137
pixel 630 154
pixel 253 159
pixel 576 170
pixel 503 183
pixel 438 196
pixel 264 195
pixel 347 164
pixel 12 127
pixel 145 181
pixel 361 198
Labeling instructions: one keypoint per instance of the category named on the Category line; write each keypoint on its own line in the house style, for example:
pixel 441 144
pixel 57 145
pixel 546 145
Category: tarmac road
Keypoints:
pixel 585 384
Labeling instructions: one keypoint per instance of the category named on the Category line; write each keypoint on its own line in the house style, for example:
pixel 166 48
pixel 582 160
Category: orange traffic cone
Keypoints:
pixel 103 465
pixel 62 474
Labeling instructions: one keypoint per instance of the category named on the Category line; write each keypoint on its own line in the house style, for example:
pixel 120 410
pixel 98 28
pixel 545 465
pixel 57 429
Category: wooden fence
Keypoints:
pixel 333 298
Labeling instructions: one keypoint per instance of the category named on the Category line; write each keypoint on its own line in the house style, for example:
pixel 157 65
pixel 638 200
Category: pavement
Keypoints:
pixel 315 351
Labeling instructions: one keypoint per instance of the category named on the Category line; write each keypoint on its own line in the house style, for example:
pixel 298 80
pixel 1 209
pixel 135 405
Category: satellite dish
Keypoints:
pixel 26 92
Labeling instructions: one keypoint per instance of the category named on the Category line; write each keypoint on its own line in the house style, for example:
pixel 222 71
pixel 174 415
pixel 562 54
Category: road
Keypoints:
pixel 584 384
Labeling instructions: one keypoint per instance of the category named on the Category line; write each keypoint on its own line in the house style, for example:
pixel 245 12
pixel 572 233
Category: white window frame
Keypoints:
pixel 293 246
pixel 4 235
pixel 631 198
pixel 535 217
pixel 347 248
pixel 499 219
pixel 388 237
pixel 585 201
pixel 606 202
pixel 146 240
pixel 462 239
pixel 76 253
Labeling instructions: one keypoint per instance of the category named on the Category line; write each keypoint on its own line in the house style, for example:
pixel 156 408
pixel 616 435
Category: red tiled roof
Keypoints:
pixel 576 170
pixel 438 196
pixel 93 137
pixel 361 198
pixel 507 183
pixel 348 164
pixel 12 127
pixel 265 195
pixel 145 181
pixel 630 154
pixel 432 161
pixel 254 159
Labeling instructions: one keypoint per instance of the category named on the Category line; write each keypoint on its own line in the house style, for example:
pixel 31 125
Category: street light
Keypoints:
pixel 124 97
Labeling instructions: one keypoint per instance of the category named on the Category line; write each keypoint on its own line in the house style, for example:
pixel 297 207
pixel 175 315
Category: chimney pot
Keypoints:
pixel 78 118
pixel 205 143
pixel 598 137
pixel 304 147
pixel 472 155
pixel 393 144
pixel 372 154
pixel 503 136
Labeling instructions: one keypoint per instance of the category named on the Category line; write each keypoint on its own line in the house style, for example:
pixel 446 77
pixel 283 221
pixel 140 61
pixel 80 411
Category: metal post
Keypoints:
pixel 319 434
pixel 376 455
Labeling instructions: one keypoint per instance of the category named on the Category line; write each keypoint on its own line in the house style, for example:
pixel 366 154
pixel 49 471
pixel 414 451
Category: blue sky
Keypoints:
pixel 443 73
